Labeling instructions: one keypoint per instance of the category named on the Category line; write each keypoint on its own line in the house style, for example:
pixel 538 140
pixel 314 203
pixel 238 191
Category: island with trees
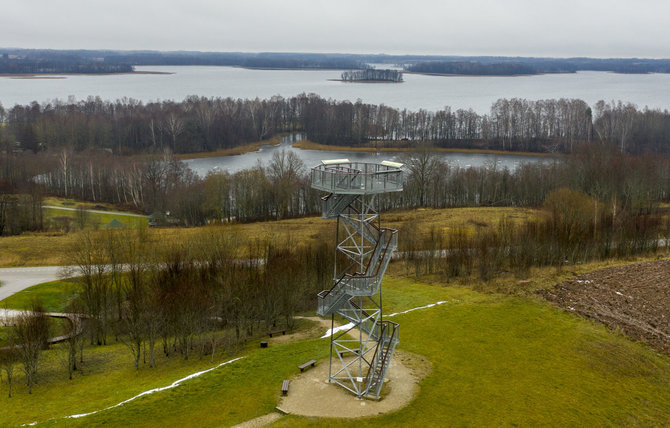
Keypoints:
pixel 372 75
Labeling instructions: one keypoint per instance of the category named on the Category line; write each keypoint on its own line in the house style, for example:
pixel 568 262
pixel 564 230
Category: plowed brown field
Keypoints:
pixel 634 298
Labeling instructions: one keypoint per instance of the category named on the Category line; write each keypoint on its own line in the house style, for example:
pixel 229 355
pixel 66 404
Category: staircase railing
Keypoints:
pixel 361 284
pixel 388 339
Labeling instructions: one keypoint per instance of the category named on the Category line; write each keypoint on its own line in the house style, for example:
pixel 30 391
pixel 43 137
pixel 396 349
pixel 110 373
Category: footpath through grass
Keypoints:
pixel 496 360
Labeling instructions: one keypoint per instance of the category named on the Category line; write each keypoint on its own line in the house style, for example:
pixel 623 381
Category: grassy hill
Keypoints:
pixel 496 360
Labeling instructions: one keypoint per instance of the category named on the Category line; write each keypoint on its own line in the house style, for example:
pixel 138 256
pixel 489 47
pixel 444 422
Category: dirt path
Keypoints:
pixel 634 298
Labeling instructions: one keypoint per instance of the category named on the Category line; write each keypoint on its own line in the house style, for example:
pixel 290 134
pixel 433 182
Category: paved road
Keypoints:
pixel 16 279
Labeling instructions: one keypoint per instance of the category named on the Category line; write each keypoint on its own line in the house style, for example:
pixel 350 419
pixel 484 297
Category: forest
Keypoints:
pixel 199 124
pixel 473 68
pixel 123 153
pixel 38 64
pixel 509 66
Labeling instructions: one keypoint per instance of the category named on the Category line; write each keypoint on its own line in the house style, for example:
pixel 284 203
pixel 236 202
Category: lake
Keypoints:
pixel 313 157
pixel 417 92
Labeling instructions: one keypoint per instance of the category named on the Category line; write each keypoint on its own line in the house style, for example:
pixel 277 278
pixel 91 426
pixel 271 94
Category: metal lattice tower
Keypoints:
pixel 360 354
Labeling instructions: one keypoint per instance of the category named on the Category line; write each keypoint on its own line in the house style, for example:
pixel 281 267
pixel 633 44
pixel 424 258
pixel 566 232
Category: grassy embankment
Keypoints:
pixel 496 360
pixel 55 296
pixel 89 219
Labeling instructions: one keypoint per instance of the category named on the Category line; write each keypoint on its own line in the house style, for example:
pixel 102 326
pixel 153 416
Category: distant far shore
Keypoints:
pixel 281 68
pixel 364 81
pixel 65 75
pixel 425 73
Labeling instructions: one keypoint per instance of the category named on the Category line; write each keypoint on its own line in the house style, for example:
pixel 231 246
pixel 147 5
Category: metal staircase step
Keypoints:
pixel 333 204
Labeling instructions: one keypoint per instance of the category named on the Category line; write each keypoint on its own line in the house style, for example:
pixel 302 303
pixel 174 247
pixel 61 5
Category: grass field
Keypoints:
pixel 497 360
pixel 36 249
pixel 507 361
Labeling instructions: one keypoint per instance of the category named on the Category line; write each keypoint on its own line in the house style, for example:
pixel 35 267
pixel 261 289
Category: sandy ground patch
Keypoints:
pixel 310 394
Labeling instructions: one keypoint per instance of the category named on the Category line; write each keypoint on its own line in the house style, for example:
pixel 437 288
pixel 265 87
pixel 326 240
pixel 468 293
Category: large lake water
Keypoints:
pixel 417 92
pixel 313 157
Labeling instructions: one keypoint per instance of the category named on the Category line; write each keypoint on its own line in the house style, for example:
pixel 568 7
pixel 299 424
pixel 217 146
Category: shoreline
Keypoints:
pixel 239 150
pixel 309 145
pixel 65 75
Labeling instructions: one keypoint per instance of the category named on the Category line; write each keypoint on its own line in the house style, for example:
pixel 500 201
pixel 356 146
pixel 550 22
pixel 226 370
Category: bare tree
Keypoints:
pixel 8 359
pixel 31 333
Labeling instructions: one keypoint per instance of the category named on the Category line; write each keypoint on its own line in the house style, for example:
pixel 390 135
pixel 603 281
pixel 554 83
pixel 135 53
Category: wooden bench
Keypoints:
pixel 354 351
pixel 302 367
pixel 282 331
pixel 284 387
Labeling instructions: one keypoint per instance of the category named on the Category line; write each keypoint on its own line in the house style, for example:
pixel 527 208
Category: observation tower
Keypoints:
pixel 361 353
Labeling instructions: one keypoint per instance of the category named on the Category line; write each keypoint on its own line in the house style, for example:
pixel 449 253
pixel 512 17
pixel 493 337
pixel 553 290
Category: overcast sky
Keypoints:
pixel 597 28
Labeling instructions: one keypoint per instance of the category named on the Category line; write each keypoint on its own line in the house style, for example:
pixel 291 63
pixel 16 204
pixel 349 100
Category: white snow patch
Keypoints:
pixel 337 329
pixel 441 302
pixel 351 325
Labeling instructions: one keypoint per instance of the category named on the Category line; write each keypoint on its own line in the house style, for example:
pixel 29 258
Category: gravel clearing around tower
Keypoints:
pixel 634 298
pixel 310 394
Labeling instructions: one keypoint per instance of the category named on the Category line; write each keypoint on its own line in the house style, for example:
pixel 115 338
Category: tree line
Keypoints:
pixel 506 66
pixel 472 68
pixel 200 124
pixel 24 66
pixel 576 228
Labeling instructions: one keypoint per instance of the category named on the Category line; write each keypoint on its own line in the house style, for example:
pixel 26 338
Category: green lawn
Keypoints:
pixel 496 361
pixel 509 361
pixel 55 296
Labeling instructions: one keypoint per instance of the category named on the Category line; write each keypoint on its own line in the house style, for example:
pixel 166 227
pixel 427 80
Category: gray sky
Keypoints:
pixel 597 28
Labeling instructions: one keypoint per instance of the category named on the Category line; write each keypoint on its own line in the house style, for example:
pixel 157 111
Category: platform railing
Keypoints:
pixel 357 178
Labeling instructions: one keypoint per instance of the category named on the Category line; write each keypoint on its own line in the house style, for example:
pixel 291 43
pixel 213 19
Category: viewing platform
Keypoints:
pixel 341 176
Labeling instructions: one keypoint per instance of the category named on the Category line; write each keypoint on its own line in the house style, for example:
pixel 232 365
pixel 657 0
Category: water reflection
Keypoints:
pixel 313 157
